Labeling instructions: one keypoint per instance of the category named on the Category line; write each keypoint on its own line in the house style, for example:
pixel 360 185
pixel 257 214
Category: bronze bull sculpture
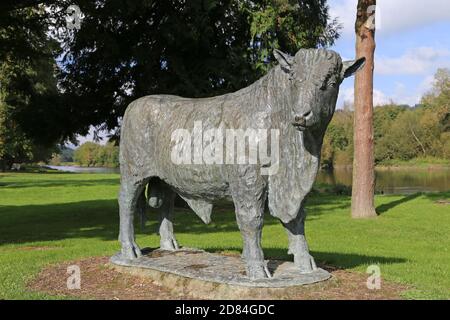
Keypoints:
pixel 297 99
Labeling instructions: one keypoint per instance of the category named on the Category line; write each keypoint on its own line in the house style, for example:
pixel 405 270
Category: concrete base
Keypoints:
pixel 206 275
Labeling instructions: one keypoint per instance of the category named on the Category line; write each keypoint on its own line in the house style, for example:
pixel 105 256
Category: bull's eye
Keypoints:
pixel 328 84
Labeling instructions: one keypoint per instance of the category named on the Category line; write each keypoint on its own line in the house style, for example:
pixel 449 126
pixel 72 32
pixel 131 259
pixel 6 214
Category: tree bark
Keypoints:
pixel 363 185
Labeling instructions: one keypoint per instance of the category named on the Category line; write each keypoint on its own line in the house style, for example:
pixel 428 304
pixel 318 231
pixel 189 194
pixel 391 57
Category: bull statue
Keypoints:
pixel 296 99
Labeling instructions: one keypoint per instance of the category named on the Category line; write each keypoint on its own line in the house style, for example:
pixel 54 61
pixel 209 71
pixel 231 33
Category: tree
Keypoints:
pixel 15 145
pixel 128 49
pixel 91 154
pixel 436 120
pixel 338 145
pixel 198 48
pixel 29 99
pixel 363 185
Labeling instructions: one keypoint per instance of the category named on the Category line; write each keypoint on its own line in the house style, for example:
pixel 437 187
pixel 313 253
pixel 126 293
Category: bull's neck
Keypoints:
pixel 276 84
pixel 268 89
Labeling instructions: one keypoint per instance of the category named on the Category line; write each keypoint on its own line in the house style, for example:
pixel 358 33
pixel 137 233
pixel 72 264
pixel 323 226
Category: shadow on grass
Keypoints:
pixel 344 260
pixel 60 183
pixel 100 219
pixel 434 196
pixel 387 206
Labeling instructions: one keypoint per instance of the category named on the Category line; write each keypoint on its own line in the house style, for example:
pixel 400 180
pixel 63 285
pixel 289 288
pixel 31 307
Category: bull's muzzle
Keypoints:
pixel 301 122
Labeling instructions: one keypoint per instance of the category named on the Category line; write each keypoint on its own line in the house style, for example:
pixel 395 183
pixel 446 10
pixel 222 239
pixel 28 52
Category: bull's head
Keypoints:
pixel 313 86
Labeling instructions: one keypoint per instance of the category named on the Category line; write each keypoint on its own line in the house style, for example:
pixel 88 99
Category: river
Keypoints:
pixel 396 180
pixel 85 169
pixel 388 181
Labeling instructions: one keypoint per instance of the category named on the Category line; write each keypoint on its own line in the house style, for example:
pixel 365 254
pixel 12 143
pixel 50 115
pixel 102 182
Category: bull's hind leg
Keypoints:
pixel 298 245
pixel 167 237
pixel 128 198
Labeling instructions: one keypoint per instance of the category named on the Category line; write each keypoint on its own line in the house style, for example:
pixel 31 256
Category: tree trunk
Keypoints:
pixel 363 185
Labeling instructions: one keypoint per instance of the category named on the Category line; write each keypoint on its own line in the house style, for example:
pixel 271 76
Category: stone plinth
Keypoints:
pixel 206 275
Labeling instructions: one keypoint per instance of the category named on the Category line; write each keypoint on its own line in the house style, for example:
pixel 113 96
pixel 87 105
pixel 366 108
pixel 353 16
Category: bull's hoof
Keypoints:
pixel 258 271
pixel 305 263
pixel 169 244
pixel 130 251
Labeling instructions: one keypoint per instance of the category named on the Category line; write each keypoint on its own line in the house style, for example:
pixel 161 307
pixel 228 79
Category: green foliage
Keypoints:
pixel 63 155
pixel 66 154
pixel 14 146
pixel 74 216
pixel 401 133
pixel 197 48
pixel 288 25
pixel 91 154
pixel 29 99
pixel 337 149
pixel 129 49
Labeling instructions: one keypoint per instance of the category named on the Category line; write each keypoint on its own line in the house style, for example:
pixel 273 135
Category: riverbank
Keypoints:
pixel 389 180
pixel 420 163
pixel 417 163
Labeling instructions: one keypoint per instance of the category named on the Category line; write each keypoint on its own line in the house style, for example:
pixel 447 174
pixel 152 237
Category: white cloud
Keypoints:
pixel 347 96
pixel 90 137
pixel 401 94
pixel 393 15
pixel 345 11
pixel 426 85
pixel 416 61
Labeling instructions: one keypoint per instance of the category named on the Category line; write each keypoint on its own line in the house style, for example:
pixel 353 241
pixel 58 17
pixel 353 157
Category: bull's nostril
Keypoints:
pixel 307 114
pixel 299 120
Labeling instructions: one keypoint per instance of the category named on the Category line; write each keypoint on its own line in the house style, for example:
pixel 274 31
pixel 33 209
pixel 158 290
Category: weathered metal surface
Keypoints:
pixel 295 99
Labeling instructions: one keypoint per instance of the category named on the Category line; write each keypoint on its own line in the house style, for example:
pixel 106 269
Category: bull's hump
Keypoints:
pixel 168 99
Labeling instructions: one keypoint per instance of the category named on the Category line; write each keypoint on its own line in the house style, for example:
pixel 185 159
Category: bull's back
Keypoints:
pixel 146 141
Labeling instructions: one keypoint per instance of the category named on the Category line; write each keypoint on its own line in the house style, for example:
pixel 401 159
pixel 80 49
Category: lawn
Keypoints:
pixel 51 217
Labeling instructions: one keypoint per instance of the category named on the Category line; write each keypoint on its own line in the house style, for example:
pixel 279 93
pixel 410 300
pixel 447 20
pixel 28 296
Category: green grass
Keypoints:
pixel 76 215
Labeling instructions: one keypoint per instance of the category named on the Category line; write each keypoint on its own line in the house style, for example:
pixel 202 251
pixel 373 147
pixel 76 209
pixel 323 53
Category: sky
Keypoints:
pixel 413 41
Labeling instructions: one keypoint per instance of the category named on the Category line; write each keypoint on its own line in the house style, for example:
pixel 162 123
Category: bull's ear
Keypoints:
pixel 349 68
pixel 284 59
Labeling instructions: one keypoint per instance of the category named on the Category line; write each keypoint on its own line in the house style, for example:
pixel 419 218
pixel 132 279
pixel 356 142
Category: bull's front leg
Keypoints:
pixel 297 243
pixel 249 205
pixel 250 224
pixel 128 197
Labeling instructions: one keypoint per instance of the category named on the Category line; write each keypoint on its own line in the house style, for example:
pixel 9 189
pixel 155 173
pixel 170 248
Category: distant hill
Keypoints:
pixel 66 154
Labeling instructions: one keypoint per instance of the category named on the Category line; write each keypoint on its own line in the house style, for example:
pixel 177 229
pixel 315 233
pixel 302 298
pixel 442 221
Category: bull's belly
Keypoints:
pixel 198 181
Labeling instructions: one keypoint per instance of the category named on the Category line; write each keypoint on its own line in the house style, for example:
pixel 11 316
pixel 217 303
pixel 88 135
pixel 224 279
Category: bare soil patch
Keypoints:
pixel 100 281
